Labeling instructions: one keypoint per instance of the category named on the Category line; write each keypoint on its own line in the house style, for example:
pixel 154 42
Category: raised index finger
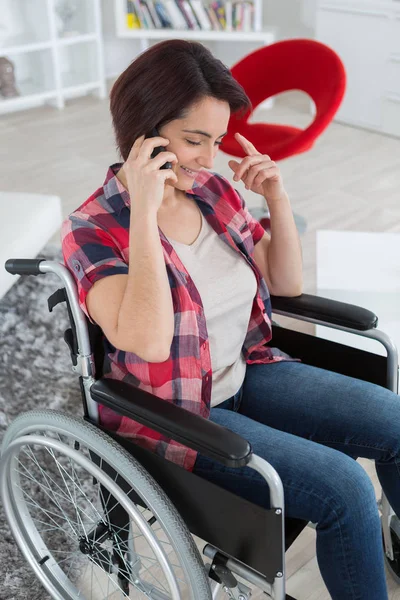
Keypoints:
pixel 247 146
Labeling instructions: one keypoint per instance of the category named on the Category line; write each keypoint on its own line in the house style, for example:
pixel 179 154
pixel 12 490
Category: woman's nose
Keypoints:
pixel 207 158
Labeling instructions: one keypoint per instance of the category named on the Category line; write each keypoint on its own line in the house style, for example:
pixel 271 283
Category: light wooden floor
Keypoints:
pixel 350 180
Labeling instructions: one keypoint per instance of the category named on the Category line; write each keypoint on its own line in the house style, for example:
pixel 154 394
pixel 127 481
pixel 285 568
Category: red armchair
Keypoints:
pixel 297 64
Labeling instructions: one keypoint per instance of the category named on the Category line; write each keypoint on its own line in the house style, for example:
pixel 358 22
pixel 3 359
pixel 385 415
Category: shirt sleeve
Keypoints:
pixel 90 253
pixel 256 229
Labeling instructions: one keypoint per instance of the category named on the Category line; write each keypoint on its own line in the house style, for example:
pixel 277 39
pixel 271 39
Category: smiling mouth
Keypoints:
pixel 189 171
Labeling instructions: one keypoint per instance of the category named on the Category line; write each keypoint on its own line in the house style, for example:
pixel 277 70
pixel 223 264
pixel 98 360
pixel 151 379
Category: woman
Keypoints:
pixel 171 265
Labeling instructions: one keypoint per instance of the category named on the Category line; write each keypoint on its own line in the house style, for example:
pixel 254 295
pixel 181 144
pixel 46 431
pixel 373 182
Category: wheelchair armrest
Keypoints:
pixel 326 310
pixel 177 423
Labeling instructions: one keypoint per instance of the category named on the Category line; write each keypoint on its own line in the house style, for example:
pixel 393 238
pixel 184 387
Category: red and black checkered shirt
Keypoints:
pixel 95 240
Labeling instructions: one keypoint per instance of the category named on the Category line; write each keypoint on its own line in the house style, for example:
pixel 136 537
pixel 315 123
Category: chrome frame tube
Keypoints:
pixel 49 266
pixel 273 480
pixel 277 502
pixel 215 589
pixel 85 366
pixel 387 514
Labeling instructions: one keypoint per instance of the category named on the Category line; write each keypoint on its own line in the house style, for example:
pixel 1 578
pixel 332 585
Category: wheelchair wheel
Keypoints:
pixel 65 488
pixel 394 565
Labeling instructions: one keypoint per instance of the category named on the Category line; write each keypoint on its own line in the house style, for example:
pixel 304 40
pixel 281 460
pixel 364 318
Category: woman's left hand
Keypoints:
pixel 258 172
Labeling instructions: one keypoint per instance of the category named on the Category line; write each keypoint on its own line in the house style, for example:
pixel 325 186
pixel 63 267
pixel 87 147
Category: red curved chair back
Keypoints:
pixel 297 64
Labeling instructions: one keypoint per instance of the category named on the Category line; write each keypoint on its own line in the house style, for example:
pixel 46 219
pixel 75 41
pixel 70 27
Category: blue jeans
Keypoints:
pixel 310 424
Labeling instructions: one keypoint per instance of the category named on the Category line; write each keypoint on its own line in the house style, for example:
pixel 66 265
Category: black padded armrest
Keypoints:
pixel 177 423
pixel 324 309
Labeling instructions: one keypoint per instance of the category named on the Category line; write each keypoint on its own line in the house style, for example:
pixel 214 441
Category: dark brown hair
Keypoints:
pixel 162 83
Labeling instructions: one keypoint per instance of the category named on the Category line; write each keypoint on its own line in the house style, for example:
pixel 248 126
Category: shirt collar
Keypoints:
pixel 115 193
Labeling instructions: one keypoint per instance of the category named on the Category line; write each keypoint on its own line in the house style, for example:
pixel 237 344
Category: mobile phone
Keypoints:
pixel 158 149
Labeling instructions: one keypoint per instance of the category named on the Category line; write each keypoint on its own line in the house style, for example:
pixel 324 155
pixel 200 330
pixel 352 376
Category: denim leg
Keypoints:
pixel 298 417
pixel 356 417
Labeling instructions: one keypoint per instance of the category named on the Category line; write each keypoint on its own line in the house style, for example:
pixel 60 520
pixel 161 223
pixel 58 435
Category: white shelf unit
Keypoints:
pixel 50 67
pixel 264 36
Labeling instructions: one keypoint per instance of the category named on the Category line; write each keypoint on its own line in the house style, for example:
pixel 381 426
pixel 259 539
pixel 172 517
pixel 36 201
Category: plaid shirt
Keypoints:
pixel 95 241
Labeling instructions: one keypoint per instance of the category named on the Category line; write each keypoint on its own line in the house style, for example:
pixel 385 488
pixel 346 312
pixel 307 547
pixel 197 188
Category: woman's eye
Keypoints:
pixel 198 143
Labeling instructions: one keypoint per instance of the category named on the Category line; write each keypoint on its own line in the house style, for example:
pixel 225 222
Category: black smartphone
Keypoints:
pixel 156 151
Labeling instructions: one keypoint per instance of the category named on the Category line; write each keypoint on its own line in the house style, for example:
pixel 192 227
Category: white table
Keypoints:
pixel 27 222
pixel 361 268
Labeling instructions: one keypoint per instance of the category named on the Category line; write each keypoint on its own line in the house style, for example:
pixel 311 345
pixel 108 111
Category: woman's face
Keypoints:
pixel 195 139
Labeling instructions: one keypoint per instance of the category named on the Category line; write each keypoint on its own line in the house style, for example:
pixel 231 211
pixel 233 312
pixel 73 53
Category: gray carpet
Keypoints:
pixel 35 372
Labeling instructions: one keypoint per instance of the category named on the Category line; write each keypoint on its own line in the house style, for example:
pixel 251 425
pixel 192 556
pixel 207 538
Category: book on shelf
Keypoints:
pixel 177 18
pixel 163 14
pixel 132 20
pixel 201 14
pixel 248 17
pixel 190 16
pixel 243 16
pixel 216 25
pixel 228 16
pixel 146 15
pixel 138 9
pixel 218 6
pixel 217 15
pixel 154 15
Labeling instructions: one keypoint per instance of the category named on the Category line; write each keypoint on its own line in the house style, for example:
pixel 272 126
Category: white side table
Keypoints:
pixel 361 268
pixel 27 222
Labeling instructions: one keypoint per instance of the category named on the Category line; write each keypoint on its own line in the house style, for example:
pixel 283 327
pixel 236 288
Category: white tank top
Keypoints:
pixel 227 286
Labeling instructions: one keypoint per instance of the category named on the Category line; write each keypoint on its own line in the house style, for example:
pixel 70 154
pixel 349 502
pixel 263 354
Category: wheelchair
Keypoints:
pixel 98 516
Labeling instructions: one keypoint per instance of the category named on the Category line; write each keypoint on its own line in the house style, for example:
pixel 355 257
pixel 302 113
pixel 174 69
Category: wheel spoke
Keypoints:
pixel 104 502
pixel 48 514
pixel 72 499
pixel 47 492
pixel 50 496
pixel 28 475
pixel 109 578
pixel 46 476
pixel 81 489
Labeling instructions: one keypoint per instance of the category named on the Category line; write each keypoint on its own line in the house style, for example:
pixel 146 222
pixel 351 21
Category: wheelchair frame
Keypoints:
pixel 216 442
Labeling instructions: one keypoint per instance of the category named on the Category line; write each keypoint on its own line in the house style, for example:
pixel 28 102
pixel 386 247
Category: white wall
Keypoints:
pixel 293 18
pixel 118 53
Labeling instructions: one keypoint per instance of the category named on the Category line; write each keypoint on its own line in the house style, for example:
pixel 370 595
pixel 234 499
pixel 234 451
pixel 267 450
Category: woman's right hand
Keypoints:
pixel 145 179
